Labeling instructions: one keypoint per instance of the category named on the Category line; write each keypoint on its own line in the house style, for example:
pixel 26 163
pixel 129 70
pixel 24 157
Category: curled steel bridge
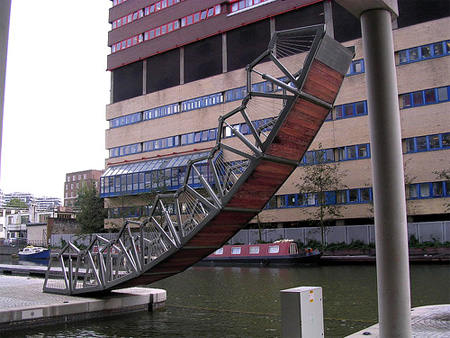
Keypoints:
pixel 305 68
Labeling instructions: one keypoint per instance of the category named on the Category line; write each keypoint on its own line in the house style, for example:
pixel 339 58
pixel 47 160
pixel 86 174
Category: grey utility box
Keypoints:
pixel 302 312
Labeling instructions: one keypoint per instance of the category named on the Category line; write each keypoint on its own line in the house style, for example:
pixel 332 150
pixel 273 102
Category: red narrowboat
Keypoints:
pixel 279 253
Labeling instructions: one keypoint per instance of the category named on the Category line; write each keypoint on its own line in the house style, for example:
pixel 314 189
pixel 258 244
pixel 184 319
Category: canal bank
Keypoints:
pixel 24 305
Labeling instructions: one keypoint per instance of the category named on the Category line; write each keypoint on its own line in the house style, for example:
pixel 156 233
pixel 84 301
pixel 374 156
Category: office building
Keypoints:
pixel 176 66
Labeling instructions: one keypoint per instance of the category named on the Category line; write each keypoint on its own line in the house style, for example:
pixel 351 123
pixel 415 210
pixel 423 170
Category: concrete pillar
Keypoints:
pixel 5 10
pixel 391 237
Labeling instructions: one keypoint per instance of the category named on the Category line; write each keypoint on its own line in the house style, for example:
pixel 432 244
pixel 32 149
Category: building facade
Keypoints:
pixel 176 66
pixel 76 180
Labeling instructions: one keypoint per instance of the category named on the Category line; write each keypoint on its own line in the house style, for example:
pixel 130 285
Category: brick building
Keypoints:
pixel 76 180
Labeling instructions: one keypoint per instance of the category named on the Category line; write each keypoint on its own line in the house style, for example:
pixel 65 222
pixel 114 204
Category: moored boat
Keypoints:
pixel 34 252
pixel 285 252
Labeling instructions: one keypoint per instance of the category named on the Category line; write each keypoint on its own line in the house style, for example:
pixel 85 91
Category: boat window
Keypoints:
pixel 254 250
pixel 274 249
pixel 219 251
pixel 236 250
pixel 293 248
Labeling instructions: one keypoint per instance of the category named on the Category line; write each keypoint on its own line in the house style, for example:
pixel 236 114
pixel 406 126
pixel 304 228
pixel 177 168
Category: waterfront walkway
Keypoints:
pixel 427 322
pixel 23 304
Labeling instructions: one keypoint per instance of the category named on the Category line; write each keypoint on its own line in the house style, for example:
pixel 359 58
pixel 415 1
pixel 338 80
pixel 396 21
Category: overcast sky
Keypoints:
pixel 57 88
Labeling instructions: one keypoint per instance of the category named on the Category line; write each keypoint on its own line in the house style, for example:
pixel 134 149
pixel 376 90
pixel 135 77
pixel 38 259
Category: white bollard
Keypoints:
pixel 302 312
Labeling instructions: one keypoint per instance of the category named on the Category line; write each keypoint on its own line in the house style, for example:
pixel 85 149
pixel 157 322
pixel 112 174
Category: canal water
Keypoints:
pixel 245 302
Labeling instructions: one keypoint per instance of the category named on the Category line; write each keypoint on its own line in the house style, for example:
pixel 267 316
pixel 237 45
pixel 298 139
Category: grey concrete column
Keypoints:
pixel 391 237
pixel 5 10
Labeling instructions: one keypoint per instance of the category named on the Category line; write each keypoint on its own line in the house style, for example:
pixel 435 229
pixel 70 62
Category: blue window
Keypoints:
pixel 427 143
pixel 354 152
pixel 424 97
pixel 350 110
pixel 318 156
pixel 424 52
pixel 356 67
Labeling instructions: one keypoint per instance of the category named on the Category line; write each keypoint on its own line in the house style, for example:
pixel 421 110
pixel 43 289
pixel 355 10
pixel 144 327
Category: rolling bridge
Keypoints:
pixel 245 171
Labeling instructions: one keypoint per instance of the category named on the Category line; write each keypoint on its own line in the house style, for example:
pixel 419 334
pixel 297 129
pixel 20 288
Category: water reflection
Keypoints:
pixel 245 302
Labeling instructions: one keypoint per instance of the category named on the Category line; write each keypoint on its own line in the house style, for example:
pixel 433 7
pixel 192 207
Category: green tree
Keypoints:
pixel 92 212
pixel 444 175
pixel 16 203
pixel 321 182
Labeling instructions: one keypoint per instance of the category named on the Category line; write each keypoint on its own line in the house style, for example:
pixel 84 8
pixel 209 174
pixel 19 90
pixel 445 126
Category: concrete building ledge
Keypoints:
pixel 23 304
pixel 427 321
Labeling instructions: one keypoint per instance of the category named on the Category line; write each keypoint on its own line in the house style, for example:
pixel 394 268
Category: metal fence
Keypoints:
pixel 424 232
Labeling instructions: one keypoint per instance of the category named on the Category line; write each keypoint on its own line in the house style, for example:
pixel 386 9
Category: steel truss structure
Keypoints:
pixel 244 172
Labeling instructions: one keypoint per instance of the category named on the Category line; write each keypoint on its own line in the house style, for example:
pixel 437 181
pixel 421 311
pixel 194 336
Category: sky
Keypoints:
pixel 57 89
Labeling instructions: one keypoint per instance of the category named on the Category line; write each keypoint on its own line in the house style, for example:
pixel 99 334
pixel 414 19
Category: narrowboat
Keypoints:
pixel 34 252
pixel 284 252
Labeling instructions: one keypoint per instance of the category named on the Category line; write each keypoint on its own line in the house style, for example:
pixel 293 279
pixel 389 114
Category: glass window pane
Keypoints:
pixel 341 154
pixel 359 107
pixel 438 49
pixel 421 143
pixel 301 199
pixel 406 98
pixel 274 249
pixel 430 96
pixel 253 250
pixel 442 94
pixel 413 191
pixel 351 152
pixel 410 145
pixel 353 195
pixel 424 189
pixel 426 52
pixel 291 200
pixel 438 189
pixel 417 98
pixel 402 57
pixel 414 54
pixel 339 112
pixel 236 250
pixel 348 108
pixel 446 140
pixel 362 151
pixel 434 142
pixel 365 195
pixel 281 201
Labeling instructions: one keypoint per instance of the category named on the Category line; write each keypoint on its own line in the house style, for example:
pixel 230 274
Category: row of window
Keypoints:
pixel 424 52
pixel 424 97
pixel 74 177
pixel 136 183
pixel 238 5
pixel 428 143
pixel 192 104
pixel 429 190
pixel 118 2
pixel 347 153
pixel 350 110
pixel 184 139
pixel 144 12
pixel 354 196
pixel 407 100
pixel 349 196
pixel 166 28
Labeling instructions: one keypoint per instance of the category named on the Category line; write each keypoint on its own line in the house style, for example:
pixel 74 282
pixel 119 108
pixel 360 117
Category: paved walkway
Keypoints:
pixel 427 322
pixel 24 304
